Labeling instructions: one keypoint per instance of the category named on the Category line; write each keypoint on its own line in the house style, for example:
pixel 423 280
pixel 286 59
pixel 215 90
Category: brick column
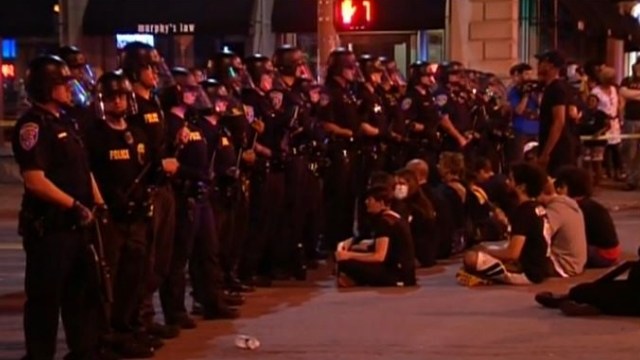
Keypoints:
pixel 484 34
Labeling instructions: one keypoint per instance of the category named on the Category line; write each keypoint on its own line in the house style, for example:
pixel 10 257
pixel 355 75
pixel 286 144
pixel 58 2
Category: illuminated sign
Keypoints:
pixel 353 14
pixel 166 29
pixel 8 71
pixel 123 39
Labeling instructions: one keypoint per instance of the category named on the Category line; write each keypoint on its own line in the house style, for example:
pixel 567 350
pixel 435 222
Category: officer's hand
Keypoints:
pixel 82 214
pixel 249 156
pixel 258 126
pixel 342 255
pixel 463 141
pixel 170 165
pixel 183 136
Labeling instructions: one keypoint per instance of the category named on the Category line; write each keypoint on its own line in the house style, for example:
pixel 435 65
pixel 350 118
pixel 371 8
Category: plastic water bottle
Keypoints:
pixel 247 342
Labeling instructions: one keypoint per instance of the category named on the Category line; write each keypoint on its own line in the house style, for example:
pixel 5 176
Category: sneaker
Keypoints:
pixel 163 331
pixel 550 300
pixel 572 308
pixel 465 278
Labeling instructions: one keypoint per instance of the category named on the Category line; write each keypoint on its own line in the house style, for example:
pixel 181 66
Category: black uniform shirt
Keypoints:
pixel 275 120
pixel 340 106
pixel 372 109
pixel 219 143
pixel 41 141
pixel 393 110
pixel 421 108
pixel 150 119
pixel 192 156
pixel 117 158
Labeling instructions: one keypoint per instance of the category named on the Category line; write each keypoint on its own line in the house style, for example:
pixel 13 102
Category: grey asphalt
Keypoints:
pixel 437 320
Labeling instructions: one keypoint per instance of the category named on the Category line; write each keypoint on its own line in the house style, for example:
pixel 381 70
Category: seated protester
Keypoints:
pixel 526 258
pixel 489 221
pixel 607 295
pixel 594 122
pixel 455 192
pixel 603 247
pixel 390 258
pixel 422 217
pixel 361 223
pixel 568 239
pixel 441 207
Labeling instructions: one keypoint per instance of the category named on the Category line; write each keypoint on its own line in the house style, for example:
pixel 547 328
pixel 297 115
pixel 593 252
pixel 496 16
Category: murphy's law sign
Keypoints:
pixel 167 28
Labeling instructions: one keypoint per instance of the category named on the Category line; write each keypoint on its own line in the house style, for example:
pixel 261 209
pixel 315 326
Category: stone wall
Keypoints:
pixel 483 34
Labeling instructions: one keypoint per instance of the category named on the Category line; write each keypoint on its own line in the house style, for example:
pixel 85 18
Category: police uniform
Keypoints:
pixel 60 274
pixel 195 237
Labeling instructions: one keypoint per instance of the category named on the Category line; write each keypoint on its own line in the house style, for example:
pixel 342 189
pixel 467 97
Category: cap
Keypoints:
pixel 553 57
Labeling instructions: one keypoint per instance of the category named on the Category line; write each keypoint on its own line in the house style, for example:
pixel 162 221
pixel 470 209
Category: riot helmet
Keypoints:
pixel 290 61
pixel 187 81
pixel 450 73
pixel 257 65
pixel 420 74
pixel 114 96
pixel 79 66
pixel 342 64
pixel 396 77
pixel 217 94
pixel 49 79
pixel 371 69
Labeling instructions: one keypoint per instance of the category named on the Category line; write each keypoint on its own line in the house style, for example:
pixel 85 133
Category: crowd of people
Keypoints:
pixel 207 183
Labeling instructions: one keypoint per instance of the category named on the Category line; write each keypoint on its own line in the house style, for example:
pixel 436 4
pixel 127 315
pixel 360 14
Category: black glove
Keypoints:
pixel 82 215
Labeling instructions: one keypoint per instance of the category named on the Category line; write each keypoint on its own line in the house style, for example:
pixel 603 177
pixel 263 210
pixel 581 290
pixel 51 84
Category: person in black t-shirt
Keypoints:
pixel 387 259
pixel 526 258
pixel 602 239
pixel 556 146
pixel 630 92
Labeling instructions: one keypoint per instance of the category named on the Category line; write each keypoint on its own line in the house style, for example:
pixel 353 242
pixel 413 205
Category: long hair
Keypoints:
pixel 416 199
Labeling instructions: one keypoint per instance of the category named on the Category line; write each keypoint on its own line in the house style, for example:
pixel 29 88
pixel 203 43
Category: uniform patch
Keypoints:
pixel 29 135
pixel 276 99
pixel 224 141
pixel 406 104
pixel 441 100
pixel 119 154
pixel 324 99
pixel 151 118
pixel 141 150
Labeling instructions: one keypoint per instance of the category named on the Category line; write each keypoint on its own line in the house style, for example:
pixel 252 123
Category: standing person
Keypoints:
pixel 608 102
pixel 59 191
pixel 556 146
pixel 118 157
pixel 594 122
pixel 630 93
pixel 141 68
pixel 525 105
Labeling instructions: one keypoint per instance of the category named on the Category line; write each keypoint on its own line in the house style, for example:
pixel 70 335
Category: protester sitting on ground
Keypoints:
pixel 568 240
pixel 421 217
pixel 442 208
pixel 526 258
pixel 603 246
pixel 607 295
pixel 455 192
pixel 489 221
pixel 388 259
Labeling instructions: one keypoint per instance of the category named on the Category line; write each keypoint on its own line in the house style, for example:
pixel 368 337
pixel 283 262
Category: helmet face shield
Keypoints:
pixel 79 95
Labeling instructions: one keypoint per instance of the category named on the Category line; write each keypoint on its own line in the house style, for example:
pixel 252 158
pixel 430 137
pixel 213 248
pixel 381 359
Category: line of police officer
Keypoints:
pixel 235 180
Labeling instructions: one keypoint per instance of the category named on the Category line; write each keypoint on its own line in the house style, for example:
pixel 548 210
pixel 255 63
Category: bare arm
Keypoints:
pixel 97 196
pixel 447 125
pixel 629 94
pixel 509 253
pixel 377 256
pixel 334 129
pixel 43 188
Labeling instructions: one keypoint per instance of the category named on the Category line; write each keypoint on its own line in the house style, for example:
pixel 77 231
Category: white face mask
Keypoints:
pixel 401 192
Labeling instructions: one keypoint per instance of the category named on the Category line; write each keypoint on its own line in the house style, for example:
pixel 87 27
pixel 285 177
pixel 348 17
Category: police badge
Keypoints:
pixel 441 100
pixel 249 113
pixel 128 138
pixel 406 104
pixel 141 153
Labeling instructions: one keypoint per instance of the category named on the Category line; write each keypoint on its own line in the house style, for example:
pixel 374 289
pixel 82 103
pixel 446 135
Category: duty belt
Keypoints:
pixel 197 190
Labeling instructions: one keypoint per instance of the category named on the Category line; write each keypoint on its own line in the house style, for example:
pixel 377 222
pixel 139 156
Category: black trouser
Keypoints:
pixel 195 240
pixel 231 210
pixel 60 278
pixel 160 247
pixel 340 197
pixel 369 274
pixel 266 250
pixel 126 255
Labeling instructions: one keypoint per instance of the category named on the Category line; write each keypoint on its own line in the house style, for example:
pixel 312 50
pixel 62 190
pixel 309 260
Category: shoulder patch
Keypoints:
pixel 29 135
pixel 276 98
pixel 406 104
pixel 248 112
pixel 442 99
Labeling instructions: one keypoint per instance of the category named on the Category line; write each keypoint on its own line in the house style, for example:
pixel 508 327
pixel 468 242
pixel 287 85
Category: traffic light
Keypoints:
pixel 353 15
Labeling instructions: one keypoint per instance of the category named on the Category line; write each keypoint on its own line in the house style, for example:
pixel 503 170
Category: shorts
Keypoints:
pixel 593 153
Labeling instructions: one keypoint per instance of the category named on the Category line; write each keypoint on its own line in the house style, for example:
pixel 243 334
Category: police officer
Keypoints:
pixel 304 188
pixel 59 192
pixel 342 122
pixel 455 102
pixel 117 153
pixel 227 195
pixel 82 88
pixel 195 236
pixel 140 65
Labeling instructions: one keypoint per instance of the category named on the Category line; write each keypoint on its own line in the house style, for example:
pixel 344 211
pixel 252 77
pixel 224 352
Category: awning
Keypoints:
pixel 167 17
pixel 300 16
pixel 20 18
